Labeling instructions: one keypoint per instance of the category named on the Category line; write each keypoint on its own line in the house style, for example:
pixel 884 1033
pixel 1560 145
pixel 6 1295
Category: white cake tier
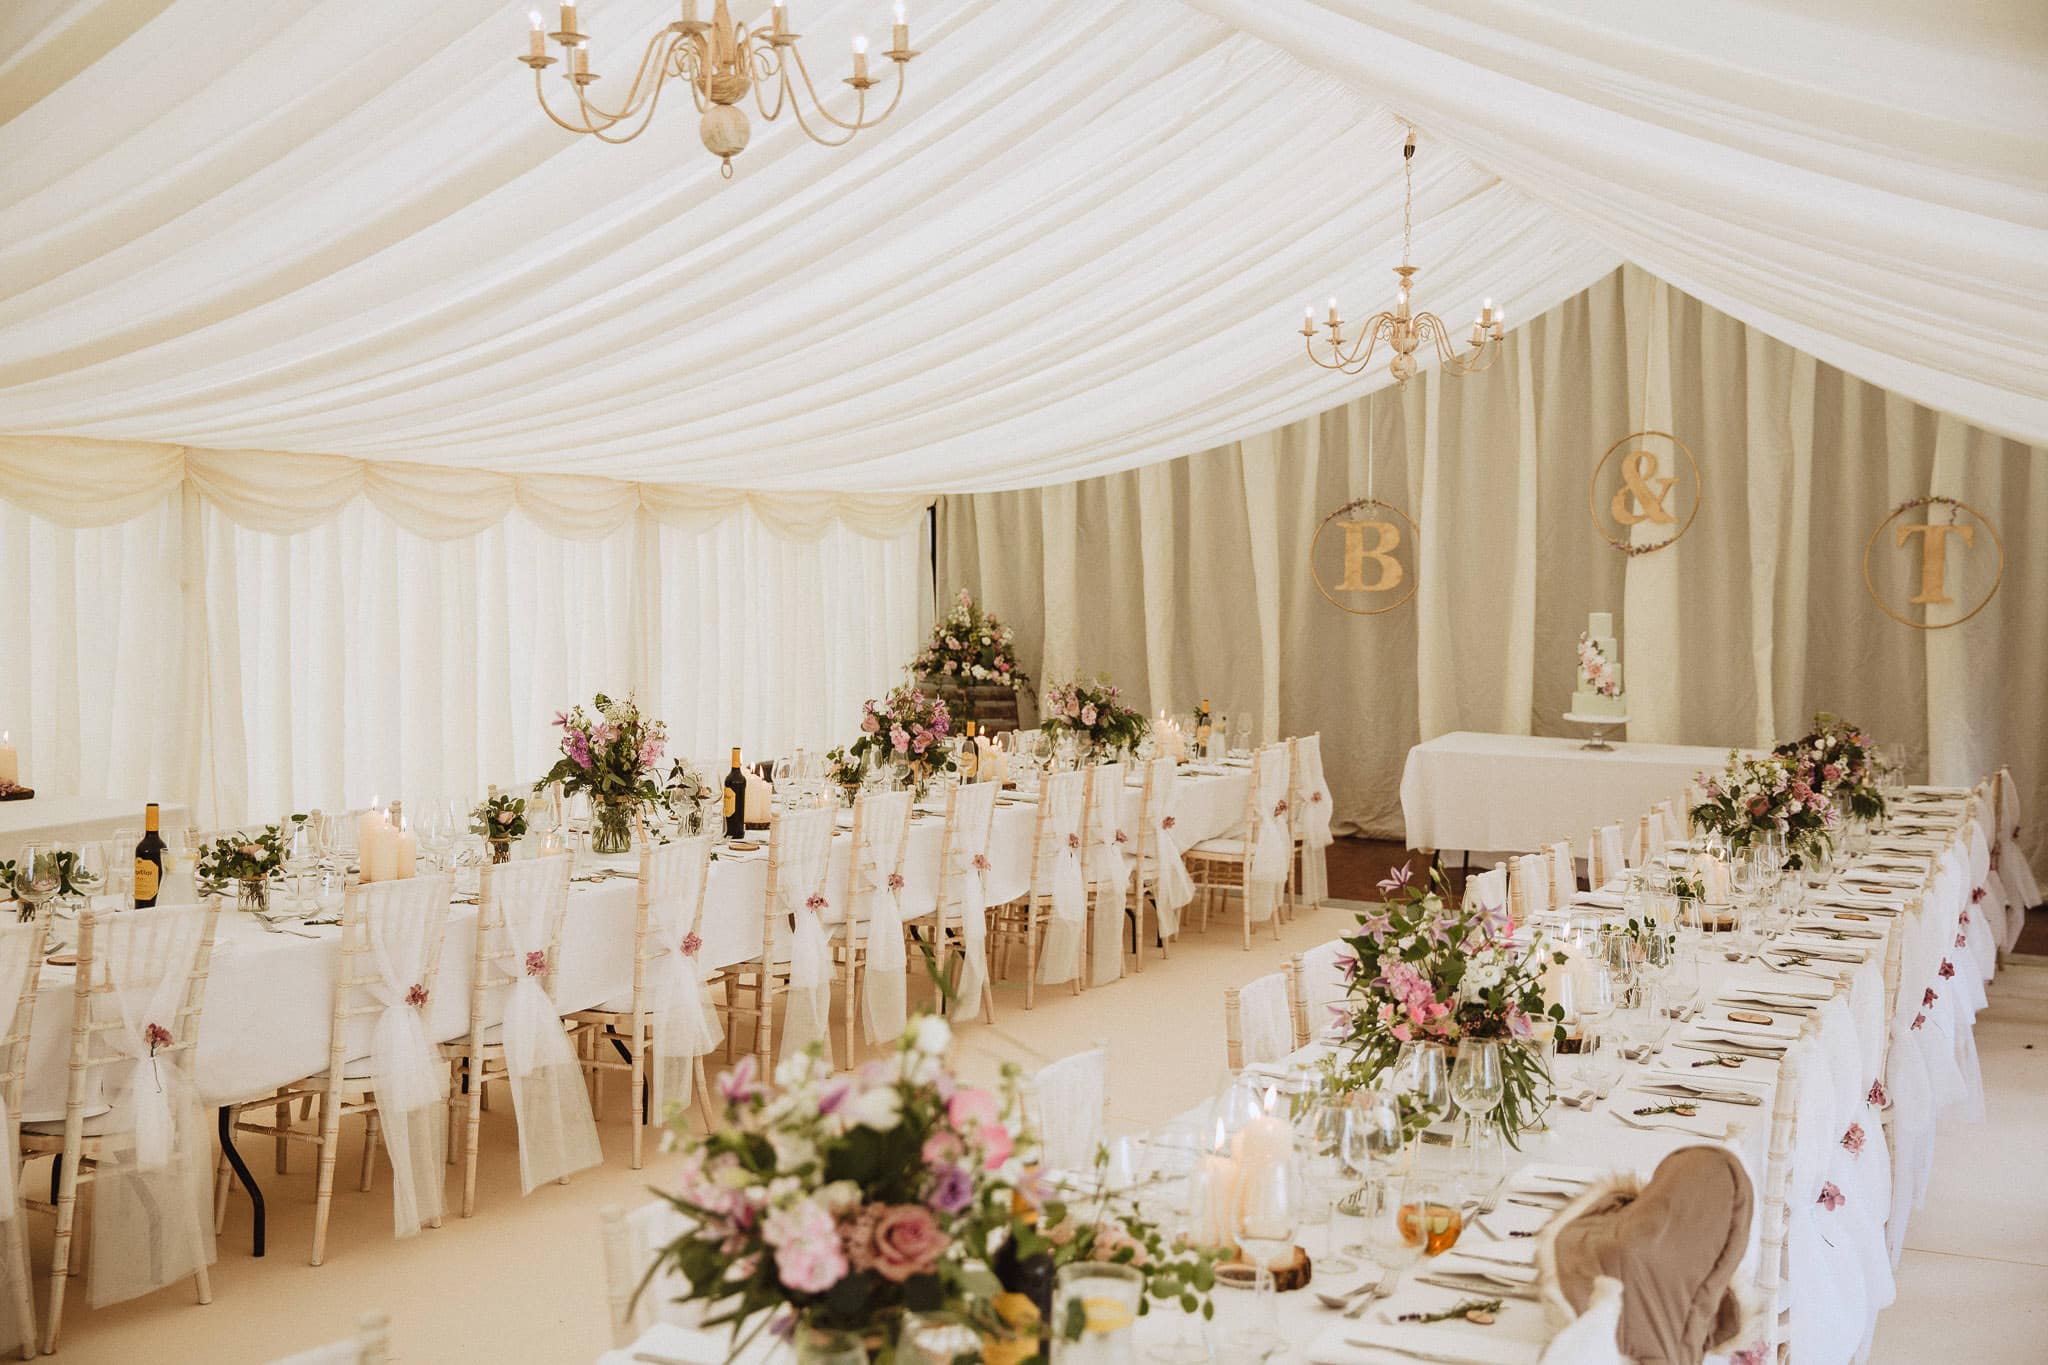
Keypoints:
pixel 1593 704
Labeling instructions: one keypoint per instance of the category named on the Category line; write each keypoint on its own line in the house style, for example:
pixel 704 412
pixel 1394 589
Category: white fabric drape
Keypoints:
pixel 877 912
pixel 686 1026
pixel 183 656
pixel 1312 822
pixel 1769 619
pixel 557 1135
pixel 152 1185
pixel 1108 870
pixel 1172 887
pixel 964 889
pixel 1265 1019
pixel 403 923
pixel 1325 983
pixel 1058 878
pixel 802 850
pixel 1271 852
pixel 17 959
pixel 1066 1100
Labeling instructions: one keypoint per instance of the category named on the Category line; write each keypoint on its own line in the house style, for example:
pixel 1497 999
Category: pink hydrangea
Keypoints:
pixel 808 1256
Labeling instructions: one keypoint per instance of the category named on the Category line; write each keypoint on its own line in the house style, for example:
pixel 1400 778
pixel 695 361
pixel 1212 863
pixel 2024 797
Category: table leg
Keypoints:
pixel 241 1169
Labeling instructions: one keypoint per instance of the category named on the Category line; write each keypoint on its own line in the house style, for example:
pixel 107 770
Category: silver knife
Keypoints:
pixel 1480 1284
pixel 1683 1091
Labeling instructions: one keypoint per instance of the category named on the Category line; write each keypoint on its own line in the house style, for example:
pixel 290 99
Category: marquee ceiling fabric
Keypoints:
pixel 1080 245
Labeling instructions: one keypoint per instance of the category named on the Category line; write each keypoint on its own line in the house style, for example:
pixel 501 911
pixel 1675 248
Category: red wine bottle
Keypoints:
pixel 149 860
pixel 736 800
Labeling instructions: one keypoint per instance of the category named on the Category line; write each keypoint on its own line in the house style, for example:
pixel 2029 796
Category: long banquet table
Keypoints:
pixel 1838 1151
pixel 73 819
pixel 269 995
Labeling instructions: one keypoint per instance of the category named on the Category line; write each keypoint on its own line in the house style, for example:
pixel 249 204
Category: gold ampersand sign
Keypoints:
pixel 1366 568
pixel 1659 487
pixel 1951 563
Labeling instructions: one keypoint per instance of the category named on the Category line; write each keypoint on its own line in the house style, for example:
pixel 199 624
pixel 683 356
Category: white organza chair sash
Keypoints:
pixel 1528 886
pixel 19 958
pixel 1057 876
pixel 1272 850
pixel 1172 887
pixel 1068 1098
pixel 399 926
pixel 1265 1023
pixel 1109 871
pixel 1313 820
pixel 557 1135
pixel 965 887
pixel 802 851
pixel 1325 983
pixel 1611 861
pixel 152 1216
pixel 1488 888
pixel 1564 878
pixel 685 1023
pixel 877 875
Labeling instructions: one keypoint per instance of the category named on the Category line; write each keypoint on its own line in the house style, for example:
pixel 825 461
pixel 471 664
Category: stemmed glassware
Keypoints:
pixel 37 876
pixel 1388 1224
pixel 1270 1199
pixel 1478 1086
pixel 1422 1073
pixel 1319 1136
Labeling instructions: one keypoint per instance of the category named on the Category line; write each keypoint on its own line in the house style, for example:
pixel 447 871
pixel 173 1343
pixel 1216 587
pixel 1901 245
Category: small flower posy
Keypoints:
pixel 981 862
pixel 417 996
pixel 536 963
pixel 815 901
pixel 1279 809
pixel 1852 1139
pixel 896 882
pixel 156 1035
pixel 1167 823
pixel 691 944
pixel 1831 1197
pixel 1074 841
pixel 1877 1095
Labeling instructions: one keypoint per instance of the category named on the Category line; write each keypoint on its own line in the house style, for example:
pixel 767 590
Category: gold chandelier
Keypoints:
pixel 1403 329
pixel 721 61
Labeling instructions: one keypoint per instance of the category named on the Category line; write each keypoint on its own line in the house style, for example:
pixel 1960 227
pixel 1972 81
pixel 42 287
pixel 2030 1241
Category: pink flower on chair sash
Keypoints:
pixel 1167 823
pixel 536 963
pixel 1977 895
pixel 1918 1021
pixel 1852 1139
pixel 815 901
pixel 1831 1198
pixel 1877 1095
pixel 156 1035
pixel 1948 969
pixel 416 996
pixel 691 943
pixel 1962 940
pixel 1753 1354
pixel 981 862
pixel 1074 841
pixel 1122 837
pixel 1315 798
pixel 896 882
pixel 1279 809
pixel 1927 1000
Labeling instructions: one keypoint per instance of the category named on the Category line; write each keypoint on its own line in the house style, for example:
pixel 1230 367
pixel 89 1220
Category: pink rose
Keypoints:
pixel 997 1143
pixel 870 724
pixel 970 1108
pixel 941 1149
pixel 907 1242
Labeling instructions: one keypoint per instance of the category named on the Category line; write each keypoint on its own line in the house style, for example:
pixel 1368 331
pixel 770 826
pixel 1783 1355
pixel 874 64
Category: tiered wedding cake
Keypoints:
pixel 1599 691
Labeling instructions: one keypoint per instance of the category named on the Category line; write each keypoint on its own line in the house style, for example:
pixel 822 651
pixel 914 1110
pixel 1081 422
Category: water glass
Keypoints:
pixel 1270 1200
pixel 1422 1073
pixel 1320 1138
pixel 1103 1299
pixel 1478 1085
pixel 1385 1238
pixel 823 1346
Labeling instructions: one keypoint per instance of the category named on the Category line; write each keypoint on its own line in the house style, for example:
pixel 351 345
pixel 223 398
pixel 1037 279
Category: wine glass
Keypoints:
pixel 1478 1086
pixel 1386 1238
pixel 1422 1073
pixel 1270 1198
pixel 1320 1138
pixel 36 876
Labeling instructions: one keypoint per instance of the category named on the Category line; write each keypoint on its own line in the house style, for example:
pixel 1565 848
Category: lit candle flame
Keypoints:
pixel 860 44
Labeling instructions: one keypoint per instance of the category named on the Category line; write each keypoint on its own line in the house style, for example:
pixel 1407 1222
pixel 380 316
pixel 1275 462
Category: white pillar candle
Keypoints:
pixel 10 763
pixel 404 854
pixel 1218 1176
pixel 370 826
pixel 759 797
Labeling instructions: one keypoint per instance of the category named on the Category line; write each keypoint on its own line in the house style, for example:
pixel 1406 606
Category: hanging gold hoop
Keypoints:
pixel 1593 494
pixel 1931 500
pixel 1414 538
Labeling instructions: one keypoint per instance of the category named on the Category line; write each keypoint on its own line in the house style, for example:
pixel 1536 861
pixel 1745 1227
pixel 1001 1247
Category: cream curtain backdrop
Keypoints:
pixel 182 655
pixel 1190 579
pixel 1080 245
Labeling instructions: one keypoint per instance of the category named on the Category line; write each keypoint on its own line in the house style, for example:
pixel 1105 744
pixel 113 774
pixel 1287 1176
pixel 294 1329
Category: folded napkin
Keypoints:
pixel 1870 876
pixel 1713 1122
pixel 1673 1066
pixel 1779 1030
pixel 1718 1035
pixel 1932 790
pixel 1456 1262
pixel 1600 900
pixel 1832 932
pixel 1371 1343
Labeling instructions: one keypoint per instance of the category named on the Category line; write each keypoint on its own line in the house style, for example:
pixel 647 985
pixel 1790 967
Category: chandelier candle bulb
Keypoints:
pixel 779 20
pixel 536 41
pixel 860 59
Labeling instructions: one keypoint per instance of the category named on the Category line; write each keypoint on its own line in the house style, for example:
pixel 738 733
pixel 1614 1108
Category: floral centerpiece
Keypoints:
pixel 845 770
pixel 1775 794
pixel 1094 713
pixel 1426 970
pixel 499 819
pixel 1842 754
pixel 612 756
pixel 247 860
pixel 970 646
pixel 689 796
pixel 906 730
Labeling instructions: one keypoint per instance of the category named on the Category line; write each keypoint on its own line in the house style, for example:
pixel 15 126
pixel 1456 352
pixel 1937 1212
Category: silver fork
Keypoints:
pixel 1380 1291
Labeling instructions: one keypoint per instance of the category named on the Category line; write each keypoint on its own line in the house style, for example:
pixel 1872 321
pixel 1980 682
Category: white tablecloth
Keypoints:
pixel 1515 793
pixel 269 996
pixel 73 819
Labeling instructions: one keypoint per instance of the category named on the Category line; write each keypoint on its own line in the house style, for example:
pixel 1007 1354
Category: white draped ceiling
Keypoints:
pixel 1080 246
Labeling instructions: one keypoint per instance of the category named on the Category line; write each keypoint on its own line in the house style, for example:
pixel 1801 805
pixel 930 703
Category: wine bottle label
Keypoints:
pixel 147 877
pixel 728 803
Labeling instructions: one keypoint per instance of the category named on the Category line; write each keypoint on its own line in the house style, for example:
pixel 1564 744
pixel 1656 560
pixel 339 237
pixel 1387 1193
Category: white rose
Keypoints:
pixel 878 1107
pixel 837 1197
pixel 934 1035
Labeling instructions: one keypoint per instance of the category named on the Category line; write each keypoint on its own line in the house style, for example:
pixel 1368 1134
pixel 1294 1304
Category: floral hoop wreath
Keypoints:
pixel 1954 505
pixel 1414 538
pixel 1593 495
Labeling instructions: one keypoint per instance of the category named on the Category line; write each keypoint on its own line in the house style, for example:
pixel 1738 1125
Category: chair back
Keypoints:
pixel 631 1243
pixel 520 909
pixel 673 878
pixel 388 930
pixel 1065 1100
pixel 1321 981
pixel 138 969
pixel 799 867
pixel 1102 819
pixel 21 958
pixel 1604 860
pixel 1528 886
pixel 1489 887
pixel 970 824
pixel 1258 1021
pixel 1564 878
pixel 881 833
pixel 1062 799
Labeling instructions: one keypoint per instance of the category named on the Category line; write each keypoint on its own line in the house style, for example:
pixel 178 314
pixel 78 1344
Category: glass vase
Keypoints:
pixel 252 895
pixel 611 829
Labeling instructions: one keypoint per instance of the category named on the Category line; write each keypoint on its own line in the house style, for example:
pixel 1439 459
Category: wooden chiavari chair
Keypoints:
pixel 1564 877
pixel 407 921
pixel 21 957
pixel 1604 860
pixel 1319 981
pixel 871 928
pixel 1223 863
pixel 1064 1103
pixel 163 953
pixel 1309 814
pixel 1258 1020
pixel 1055 836
pixel 1528 887
pixel 1103 868
pixel 799 867
pixel 668 913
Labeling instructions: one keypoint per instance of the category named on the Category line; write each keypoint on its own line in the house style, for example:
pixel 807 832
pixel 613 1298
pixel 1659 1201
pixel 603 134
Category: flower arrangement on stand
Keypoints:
pixel 1841 754
pixel 906 730
pixel 612 756
pixel 970 647
pixel 247 860
pixel 845 772
pixel 1775 794
pixel 1424 969
pixel 1093 712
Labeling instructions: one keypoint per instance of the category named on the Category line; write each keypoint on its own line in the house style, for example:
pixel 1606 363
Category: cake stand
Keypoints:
pixel 1601 726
